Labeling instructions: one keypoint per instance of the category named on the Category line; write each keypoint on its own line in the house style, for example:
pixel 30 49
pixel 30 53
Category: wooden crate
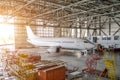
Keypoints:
pixel 52 73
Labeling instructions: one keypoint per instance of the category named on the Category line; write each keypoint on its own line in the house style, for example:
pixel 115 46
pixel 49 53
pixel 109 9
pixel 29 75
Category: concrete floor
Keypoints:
pixel 72 58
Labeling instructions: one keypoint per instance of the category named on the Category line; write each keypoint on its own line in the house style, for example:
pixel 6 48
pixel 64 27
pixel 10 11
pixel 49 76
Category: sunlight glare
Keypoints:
pixel 1 19
pixel 6 33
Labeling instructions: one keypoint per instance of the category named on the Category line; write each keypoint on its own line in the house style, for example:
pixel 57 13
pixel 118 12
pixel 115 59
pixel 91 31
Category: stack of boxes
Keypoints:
pixel 31 67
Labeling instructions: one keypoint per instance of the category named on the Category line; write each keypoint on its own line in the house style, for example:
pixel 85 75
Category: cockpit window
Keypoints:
pixel 95 39
pixel 116 37
pixel 108 38
pixel 104 38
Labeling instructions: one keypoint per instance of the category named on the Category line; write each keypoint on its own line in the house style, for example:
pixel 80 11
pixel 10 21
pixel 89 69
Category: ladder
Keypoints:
pixel 109 61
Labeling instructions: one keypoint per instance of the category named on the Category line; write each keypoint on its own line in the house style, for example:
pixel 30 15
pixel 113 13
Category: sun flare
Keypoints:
pixel 6 33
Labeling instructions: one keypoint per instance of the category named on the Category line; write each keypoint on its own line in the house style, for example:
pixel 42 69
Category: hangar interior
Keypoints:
pixel 59 18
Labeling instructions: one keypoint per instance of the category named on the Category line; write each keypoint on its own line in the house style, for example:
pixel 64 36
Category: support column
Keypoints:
pixel 80 32
pixel 88 32
pixel 109 26
pixel 100 26
pixel 95 30
pixel 75 32
pixel 103 25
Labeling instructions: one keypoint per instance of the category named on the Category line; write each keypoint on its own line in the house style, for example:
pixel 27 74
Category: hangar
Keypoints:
pixel 59 39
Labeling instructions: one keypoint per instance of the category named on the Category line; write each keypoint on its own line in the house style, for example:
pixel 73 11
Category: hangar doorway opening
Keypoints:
pixel 6 33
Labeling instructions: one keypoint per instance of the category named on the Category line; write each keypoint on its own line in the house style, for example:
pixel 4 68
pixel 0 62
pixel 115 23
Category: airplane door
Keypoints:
pixel 95 39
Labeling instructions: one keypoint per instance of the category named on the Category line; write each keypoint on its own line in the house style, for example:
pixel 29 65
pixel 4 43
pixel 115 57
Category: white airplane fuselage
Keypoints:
pixel 70 43
pixel 53 43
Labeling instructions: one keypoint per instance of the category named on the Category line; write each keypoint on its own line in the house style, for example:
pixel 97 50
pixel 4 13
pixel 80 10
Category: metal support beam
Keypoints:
pixel 117 17
pixel 90 23
pixel 100 25
pixel 117 24
pixel 103 32
pixel 91 11
pixel 88 30
pixel 116 32
pixel 109 26
pixel 80 32
pixel 13 13
pixel 48 2
pixel 95 30
pixel 75 32
pixel 52 11
pixel 88 27
pixel 104 23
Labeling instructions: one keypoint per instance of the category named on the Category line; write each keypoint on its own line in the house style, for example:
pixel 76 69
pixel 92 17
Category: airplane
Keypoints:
pixel 55 44
pixel 106 41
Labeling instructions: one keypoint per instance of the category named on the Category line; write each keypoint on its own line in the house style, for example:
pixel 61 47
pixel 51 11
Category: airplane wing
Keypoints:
pixel 53 46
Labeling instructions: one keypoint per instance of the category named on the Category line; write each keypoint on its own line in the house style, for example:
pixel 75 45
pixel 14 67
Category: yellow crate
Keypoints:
pixel 30 75
pixel 22 55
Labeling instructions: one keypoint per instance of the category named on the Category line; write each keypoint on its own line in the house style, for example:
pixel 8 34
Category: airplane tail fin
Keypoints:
pixel 30 33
